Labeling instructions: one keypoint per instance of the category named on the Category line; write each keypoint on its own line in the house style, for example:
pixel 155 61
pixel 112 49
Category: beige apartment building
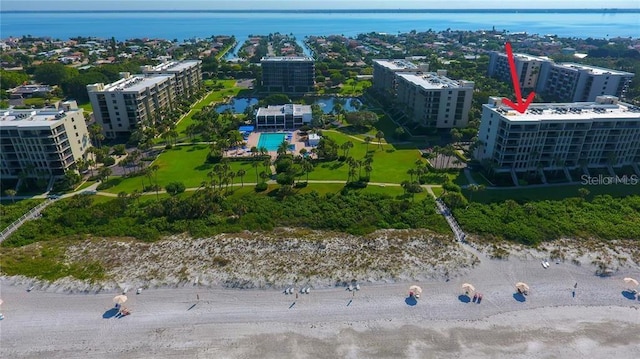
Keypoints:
pixel 434 100
pixel 120 107
pixel 528 68
pixel 384 72
pixel 47 141
pixel 188 75
pixel 604 133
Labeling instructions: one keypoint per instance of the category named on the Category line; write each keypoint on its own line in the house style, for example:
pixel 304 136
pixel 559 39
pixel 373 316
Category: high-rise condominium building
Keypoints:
pixel 562 82
pixel 188 75
pixel 604 133
pixel 42 143
pixel 121 106
pixel 434 100
pixel 527 67
pixel 569 82
pixel 288 74
pixel 384 72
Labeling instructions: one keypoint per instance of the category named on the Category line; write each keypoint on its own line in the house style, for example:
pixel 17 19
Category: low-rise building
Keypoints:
pixel 604 133
pixel 42 143
pixel 283 117
pixel 434 100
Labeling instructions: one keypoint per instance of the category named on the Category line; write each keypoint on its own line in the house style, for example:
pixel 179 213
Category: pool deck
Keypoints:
pixel 254 138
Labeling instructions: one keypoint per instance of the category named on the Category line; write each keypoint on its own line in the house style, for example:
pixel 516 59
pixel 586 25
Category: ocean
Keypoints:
pixel 187 25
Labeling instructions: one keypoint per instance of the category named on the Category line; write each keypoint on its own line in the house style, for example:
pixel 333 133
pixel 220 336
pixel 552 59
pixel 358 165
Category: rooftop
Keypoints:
pixel 592 69
pixel 286 59
pixel 526 57
pixel 175 66
pixel 31 118
pixel 136 83
pixel 605 107
pixel 289 108
pixel 397 65
pixel 431 80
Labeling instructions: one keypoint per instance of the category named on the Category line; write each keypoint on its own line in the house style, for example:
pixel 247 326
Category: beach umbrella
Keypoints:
pixel 523 287
pixel 468 288
pixel 632 283
pixel 415 291
pixel 120 299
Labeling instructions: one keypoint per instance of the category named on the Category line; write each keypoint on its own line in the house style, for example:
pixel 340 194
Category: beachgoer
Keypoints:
pixel 575 285
pixel 198 297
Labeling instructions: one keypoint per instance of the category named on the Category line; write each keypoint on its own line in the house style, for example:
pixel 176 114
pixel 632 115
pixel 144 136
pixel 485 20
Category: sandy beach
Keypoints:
pixel 597 319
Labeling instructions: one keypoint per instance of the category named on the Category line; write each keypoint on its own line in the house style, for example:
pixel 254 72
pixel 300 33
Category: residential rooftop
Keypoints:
pixel 431 81
pixel 136 83
pixel 592 69
pixel 286 58
pixel 173 66
pixel 397 65
pixel 526 57
pixel 31 118
pixel 605 107
pixel 291 109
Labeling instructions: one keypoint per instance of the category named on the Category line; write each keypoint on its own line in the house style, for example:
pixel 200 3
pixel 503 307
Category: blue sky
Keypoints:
pixel 8 5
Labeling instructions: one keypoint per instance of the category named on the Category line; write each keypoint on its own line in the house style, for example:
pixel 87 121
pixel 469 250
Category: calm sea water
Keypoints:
pixel 193 24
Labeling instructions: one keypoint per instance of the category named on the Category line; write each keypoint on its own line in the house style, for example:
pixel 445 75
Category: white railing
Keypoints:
pixel 33 212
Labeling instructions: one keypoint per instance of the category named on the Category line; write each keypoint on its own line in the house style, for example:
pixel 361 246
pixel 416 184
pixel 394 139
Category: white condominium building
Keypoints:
pixel 569 82
pixel 188 75
pixel 561 82
pixel 384 72
pixel 121 106
pixel 604 133
pixel 46 142
pixel 434 100
pixel 283 117
pixel 528 68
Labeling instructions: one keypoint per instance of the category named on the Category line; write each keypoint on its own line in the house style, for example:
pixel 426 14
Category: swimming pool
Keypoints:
pixel 271 141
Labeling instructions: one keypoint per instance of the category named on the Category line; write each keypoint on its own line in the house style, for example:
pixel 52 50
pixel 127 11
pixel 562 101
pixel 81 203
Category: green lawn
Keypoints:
pixel 389 165
pixel 213 97
pixel 86 107
pixel 184 164
pixel 524 194
pixel 354 87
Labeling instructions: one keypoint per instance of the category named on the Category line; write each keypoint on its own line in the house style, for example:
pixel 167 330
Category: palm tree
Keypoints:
pixel 241 174
pixel 283 148
pixel 255 164
pixel 367 140
pixel 411 172
pixel 379 136
pixel 264 176
pixel 307 167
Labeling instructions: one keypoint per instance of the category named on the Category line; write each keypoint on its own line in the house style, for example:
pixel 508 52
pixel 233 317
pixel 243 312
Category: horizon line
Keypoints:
pixel 627 10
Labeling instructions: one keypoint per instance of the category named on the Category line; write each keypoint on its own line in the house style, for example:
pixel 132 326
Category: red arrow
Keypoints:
pixel 519 106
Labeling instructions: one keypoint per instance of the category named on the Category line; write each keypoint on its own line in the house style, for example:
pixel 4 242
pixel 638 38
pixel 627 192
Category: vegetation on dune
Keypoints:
pixel 533 222
pixel 209 212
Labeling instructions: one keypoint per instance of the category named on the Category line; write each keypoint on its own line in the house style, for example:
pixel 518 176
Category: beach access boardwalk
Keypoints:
pixel 455 227
pixel 32 214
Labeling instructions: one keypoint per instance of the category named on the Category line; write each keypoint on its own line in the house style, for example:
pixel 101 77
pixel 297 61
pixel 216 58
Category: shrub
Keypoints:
pixel 109 161
pixel 175 188
pixel 451 187
pixel 261 187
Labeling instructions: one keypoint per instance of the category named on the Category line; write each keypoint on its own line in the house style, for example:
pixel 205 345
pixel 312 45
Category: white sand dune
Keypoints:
pixel 375 322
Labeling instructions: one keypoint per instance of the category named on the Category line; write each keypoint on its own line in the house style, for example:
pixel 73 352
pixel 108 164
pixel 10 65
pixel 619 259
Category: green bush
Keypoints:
pixel 261 187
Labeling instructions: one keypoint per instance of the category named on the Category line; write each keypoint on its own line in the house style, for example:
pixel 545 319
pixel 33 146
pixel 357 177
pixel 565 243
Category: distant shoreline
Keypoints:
pixel 345 11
